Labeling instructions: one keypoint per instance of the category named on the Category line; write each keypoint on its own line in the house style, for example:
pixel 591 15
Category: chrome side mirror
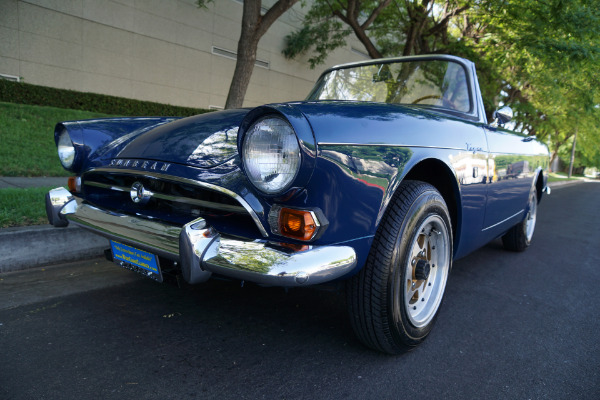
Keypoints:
pixel 502 116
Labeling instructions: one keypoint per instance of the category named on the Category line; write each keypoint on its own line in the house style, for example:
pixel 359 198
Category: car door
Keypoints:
pixel 513 162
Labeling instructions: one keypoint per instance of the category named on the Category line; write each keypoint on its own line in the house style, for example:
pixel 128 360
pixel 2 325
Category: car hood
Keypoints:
pixel 204 140
pixel 210 139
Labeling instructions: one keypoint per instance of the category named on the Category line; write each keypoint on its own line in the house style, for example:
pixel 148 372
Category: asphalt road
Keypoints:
pixel 513 326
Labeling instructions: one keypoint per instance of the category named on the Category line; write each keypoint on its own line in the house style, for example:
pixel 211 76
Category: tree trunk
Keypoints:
pixel 364 39
pixel 246 54
pixel 360 31
pixel 573 153
pixel 552 158
pixel 254 26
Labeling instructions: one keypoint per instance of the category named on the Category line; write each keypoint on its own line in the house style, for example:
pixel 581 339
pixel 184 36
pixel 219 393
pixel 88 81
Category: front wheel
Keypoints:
pixel 394 301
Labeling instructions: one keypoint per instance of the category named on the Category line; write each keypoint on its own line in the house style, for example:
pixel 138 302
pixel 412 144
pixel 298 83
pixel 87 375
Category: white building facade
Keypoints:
pixel 167 51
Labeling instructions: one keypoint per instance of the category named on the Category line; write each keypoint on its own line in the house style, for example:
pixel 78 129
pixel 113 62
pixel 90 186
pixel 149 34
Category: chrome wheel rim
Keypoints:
pixel 531 217
pixel 426 271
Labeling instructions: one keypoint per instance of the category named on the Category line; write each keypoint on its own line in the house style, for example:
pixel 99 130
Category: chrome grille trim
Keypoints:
pixel 172 178
pixel 186 200
pixel 107 186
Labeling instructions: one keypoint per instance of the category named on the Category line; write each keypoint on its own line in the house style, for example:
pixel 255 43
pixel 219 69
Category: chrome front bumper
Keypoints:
pixel 201 251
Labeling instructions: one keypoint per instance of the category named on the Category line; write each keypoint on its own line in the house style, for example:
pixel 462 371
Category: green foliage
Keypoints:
pixel 23 93
pixel 546 55
pixel 20 207
pixel 27 138
pixel 325 35
pixel 393 27
pixel 552 177
pixel 540 57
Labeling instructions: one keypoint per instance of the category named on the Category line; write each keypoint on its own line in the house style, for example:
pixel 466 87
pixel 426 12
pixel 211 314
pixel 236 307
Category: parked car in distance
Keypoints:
pixel 383 176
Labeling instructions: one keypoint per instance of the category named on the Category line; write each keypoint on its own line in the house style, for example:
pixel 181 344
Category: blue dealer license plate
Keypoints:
pixel 136 260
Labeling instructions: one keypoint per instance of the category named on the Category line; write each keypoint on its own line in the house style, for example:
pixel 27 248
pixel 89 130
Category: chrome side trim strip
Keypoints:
pixel 216 188
pixel 186 200
pixel 504 220
pixel 390 145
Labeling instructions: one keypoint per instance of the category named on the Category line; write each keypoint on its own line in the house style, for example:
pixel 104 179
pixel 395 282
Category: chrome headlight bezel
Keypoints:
pixel 68 138
pixel 271 154
pixel 66 149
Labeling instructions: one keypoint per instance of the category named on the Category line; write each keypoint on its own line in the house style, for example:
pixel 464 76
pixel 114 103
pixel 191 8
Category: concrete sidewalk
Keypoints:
pixel 41 245
pixel 21 182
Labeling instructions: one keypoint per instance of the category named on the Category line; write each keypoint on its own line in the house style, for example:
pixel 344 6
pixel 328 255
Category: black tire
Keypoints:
pixel 391 311
pixel 518 238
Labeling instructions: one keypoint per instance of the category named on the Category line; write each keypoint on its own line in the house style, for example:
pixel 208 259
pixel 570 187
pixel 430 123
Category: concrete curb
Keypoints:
pixel 35 246
pixel 19 182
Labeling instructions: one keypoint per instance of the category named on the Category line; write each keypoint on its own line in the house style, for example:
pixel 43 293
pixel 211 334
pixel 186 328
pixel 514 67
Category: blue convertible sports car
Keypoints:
pixel 383 176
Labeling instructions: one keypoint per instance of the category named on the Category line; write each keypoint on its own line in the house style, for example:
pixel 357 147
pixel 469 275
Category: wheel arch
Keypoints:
pixel 441 176
pixel 539 184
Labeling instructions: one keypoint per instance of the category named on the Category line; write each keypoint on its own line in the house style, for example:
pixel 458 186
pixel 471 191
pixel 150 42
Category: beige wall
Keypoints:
pixel 157 50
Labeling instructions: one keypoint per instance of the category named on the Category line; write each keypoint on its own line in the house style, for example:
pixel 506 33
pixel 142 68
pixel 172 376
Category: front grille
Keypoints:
pixel 171 201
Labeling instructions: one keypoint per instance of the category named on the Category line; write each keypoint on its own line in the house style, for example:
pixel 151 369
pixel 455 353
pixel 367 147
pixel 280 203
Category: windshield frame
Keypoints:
pixel 475 112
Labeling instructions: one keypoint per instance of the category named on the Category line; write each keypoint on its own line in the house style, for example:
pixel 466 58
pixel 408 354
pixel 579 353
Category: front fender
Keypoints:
pixel 98 139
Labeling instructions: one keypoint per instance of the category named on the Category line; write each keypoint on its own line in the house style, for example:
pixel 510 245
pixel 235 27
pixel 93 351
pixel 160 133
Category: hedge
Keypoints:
pixel 24 93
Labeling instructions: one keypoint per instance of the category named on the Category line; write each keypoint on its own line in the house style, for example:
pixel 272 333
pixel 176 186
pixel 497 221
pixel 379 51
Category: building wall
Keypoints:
pixel 157 50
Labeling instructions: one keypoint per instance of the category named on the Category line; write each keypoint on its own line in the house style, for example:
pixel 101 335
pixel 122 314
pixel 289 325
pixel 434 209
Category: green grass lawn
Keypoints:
pixel 27 149
pixel 20 207
pixel 27 138
pixel 554 177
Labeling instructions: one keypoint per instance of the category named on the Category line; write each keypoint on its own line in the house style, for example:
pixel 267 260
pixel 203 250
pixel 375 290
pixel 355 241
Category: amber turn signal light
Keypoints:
pixel 74 184
pixel 297 224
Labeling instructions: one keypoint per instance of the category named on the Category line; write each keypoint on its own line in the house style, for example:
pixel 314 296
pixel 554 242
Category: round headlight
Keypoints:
pixel 66 151
pixel 271 154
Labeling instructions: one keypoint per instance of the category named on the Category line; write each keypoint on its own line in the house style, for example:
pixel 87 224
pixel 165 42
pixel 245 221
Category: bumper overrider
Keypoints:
pixel 201 251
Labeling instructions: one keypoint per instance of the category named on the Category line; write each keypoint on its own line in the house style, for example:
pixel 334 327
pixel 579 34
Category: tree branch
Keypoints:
pixel 272 15
pixel 375 13
pixel 341 16
pixel 444 21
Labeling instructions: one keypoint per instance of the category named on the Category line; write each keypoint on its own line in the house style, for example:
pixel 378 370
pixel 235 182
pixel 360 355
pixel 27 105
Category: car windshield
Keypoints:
pixel 434 83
